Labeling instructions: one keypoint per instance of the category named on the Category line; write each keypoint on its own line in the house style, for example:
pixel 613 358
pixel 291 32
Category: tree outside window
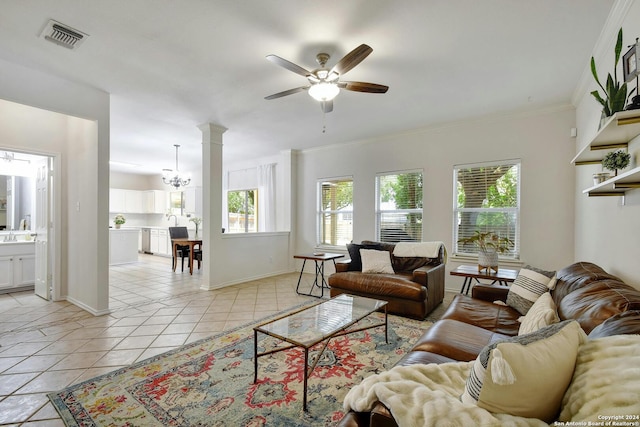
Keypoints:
pixel 241 208
pixel 487 198
pixel 335 212
pixel 399 207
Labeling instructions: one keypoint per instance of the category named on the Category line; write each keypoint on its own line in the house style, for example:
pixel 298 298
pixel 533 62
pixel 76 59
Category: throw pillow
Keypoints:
pixel 376 261
pixel 354 254
pixel 550 274
pixel 527 375
pixel 542 313
pixel 526 289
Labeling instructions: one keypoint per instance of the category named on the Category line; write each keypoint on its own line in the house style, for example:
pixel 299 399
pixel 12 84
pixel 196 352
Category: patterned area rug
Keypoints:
pixel 210 382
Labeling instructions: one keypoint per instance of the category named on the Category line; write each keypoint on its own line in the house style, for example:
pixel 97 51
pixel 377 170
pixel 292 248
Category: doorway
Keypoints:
pixel 26 195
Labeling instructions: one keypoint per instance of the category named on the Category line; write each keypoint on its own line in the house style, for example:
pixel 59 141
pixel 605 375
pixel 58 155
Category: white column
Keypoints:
pixel 211 204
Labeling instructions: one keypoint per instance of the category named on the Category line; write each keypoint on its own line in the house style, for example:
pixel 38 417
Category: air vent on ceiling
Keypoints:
pixel 63 35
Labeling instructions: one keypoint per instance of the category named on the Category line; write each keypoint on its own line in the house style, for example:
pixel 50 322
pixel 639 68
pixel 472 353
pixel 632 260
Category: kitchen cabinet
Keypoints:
pixel 124 201
pixel 614 134
pixel 116 201
pixel 17 265
pixel 155 201
pixel 133 201
pixel 123 245
pixel 193 201
pixel 160 241
pixel 138 202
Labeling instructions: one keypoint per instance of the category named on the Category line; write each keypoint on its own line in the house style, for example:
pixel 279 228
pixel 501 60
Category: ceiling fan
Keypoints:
pixel 325 84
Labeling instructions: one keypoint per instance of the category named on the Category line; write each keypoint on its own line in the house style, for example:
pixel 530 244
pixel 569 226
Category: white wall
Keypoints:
pixel 79 139
pixel 540 139
pixel 607 231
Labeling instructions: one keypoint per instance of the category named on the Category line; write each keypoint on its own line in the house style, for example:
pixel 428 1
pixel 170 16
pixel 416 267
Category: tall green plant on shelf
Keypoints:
pixel 615 93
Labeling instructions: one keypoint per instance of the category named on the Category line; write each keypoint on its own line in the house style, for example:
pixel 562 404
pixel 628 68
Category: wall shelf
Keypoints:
pixel 615 133
pixel 618 185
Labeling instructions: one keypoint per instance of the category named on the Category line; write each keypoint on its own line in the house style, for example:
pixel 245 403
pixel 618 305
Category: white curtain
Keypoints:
pixel 225 211
pixel 266 197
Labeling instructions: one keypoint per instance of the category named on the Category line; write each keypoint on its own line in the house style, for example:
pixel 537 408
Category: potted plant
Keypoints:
pixel 615 160
pixel 118 220
pixel 489 245
pixel 615 93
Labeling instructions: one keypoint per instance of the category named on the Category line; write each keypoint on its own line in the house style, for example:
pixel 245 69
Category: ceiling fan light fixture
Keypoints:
pixel 324 91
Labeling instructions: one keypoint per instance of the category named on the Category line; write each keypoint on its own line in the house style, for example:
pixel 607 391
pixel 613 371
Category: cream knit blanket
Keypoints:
pixel 419 249
pixel 427 395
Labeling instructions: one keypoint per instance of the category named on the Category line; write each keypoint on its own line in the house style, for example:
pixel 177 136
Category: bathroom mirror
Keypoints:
pixel 16 202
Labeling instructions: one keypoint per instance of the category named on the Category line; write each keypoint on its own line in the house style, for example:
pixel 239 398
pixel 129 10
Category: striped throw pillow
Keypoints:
pixel 526 375
pixel 527 288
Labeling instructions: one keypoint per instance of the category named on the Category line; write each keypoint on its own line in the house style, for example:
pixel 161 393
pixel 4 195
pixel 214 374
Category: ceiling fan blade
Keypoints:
pixel 364 87
pixel 352 59
pixel 288 65
pixel 326 106
pixel 286 92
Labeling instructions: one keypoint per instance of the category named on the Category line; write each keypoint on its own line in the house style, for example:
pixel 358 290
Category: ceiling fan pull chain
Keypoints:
pixel 324 122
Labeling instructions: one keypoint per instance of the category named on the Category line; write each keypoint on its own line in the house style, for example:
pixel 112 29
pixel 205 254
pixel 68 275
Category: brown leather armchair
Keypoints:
pixel 416 288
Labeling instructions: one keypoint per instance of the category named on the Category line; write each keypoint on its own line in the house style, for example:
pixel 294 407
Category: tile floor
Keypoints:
pixel 46 346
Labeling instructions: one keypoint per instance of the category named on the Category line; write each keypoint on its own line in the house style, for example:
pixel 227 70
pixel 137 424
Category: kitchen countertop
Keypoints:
pixel 18 242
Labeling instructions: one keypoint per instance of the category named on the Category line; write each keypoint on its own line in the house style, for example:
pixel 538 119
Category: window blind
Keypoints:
pixel 335 212
pixel 487 198
pixel 399 207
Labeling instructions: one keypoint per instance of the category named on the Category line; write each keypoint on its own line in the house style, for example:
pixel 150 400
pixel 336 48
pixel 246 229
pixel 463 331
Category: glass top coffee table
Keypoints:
pixel 320 322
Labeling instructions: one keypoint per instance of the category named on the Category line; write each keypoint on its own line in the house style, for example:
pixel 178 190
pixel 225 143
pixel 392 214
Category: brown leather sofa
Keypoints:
pixel 600 302
pixel 416 288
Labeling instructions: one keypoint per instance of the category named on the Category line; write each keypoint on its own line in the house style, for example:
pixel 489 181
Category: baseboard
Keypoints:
pixel 243 280
pixel 86 307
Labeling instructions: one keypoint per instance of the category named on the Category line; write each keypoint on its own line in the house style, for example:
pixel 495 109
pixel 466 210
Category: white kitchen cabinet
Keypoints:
pixel 116 201
pixel 155 201
pixel 160 241
pixel 129 201
pixel 163 241
pixel 193 201
pixel 133 201
pixel 17 265
pixel 123 246
pixel 153 241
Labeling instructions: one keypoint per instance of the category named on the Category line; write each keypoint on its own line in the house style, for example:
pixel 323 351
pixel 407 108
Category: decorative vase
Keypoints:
pixel 488 260
pixel 117 226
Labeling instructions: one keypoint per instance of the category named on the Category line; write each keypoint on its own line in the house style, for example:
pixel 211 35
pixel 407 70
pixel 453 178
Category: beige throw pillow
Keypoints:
pixel 376 261
pixel 542 313
pixel 527 375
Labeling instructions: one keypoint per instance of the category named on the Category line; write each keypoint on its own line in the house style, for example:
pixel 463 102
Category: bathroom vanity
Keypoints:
pixel 17 265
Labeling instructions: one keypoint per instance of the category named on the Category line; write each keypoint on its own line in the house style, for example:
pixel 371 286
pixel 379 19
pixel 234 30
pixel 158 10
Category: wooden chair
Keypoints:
pixel 181 251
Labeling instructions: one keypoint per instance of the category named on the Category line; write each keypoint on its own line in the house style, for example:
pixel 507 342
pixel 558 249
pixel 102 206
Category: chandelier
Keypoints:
pixel 175 178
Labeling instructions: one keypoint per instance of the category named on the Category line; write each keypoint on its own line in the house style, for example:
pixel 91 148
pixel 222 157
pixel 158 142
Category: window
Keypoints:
pixel 241 208
pixel 399 207
pixel 487 198
pixel 335 212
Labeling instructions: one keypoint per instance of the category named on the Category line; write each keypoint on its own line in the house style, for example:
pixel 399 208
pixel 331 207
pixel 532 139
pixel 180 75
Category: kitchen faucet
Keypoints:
pixel 175 219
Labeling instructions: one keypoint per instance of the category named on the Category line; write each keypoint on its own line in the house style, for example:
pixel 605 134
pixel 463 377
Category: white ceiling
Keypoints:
pixel 172 65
